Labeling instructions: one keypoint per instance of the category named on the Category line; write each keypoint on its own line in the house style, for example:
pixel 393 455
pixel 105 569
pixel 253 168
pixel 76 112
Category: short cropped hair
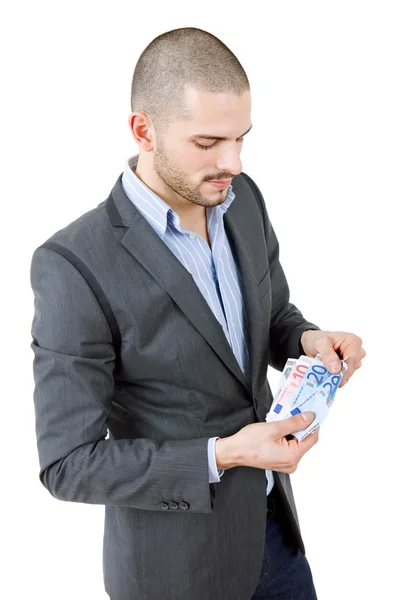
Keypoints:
pixel 180 57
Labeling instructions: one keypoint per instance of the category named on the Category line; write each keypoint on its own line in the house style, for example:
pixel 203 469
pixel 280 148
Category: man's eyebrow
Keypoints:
pixel 204 136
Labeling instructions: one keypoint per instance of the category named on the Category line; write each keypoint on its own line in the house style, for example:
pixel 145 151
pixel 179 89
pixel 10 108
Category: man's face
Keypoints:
pixel 187 163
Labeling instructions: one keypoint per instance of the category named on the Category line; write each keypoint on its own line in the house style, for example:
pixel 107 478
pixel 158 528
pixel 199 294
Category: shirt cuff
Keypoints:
pixel 213 473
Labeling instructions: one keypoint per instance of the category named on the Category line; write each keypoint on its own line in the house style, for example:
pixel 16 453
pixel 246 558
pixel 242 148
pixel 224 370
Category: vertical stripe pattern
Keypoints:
pixel 213 269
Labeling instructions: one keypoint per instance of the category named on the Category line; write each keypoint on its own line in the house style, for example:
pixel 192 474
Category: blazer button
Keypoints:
pixel 183 505
pixel 164 506
pixel 173 505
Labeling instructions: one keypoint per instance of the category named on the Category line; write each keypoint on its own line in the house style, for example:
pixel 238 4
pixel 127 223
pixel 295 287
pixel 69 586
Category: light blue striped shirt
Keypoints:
pixel 213 269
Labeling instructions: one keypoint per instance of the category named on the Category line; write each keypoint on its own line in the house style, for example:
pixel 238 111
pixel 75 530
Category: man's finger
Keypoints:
pixel 324 347
pixel 295 423
pixel 355 353
pixel 307 443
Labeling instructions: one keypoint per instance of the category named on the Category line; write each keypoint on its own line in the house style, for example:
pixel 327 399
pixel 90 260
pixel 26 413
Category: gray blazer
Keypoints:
pixel 125 344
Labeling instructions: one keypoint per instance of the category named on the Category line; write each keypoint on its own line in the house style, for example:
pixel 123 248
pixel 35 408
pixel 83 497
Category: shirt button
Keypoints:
pixel 233 324
pixel 183 505
pixel 164 506
pixel 244 371
pixel 192 236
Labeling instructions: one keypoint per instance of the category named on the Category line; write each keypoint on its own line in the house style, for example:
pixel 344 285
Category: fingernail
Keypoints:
pixel 308 415
pixel 334 366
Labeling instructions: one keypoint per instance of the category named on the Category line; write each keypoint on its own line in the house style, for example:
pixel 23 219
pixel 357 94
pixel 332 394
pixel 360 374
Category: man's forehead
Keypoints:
pixel 200 103
pixel 215 115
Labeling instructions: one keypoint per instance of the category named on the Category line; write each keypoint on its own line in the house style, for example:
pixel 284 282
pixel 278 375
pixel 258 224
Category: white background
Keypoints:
pixel 324 150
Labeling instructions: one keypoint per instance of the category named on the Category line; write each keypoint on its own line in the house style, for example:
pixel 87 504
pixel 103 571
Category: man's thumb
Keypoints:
pixel 328 355
pixel 296 423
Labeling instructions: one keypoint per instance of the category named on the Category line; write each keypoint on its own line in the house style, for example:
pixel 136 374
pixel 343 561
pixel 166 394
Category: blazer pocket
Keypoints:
pixel 264 285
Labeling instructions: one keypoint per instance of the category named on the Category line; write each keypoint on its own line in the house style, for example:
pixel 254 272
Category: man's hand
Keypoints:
pixel 331 343
pixel 264 445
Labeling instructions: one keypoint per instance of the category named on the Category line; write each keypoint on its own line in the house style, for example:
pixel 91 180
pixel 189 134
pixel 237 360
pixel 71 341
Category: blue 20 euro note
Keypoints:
pixel 315 393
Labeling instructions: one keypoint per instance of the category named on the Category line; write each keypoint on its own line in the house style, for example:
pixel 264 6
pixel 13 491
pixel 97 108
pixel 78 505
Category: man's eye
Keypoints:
pixel 212 145
pixel 205 147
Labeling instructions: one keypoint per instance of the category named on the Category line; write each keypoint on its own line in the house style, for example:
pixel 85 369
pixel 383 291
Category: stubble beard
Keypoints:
pixel 177 180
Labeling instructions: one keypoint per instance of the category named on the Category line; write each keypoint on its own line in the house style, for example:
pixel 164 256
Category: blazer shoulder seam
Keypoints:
pixel 94 286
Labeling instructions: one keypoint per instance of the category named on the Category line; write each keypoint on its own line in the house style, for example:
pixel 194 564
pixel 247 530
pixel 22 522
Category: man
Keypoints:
pixel 156 316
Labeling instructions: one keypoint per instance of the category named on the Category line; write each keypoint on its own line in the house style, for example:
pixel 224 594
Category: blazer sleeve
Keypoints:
pixel 73 374
pixel 287 323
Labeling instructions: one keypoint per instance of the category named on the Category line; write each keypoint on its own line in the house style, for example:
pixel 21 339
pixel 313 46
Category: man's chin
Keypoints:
pixel 213 201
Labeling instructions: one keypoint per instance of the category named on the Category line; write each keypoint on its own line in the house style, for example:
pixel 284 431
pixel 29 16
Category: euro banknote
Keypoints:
pixel 285 374
pixel 305 385
pixel 284 399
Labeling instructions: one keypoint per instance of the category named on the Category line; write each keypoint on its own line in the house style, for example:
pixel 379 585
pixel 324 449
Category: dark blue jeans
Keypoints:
pixel 285 573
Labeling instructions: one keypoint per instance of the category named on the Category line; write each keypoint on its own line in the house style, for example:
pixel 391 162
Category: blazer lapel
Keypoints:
pixel 147 247
pixel 238 227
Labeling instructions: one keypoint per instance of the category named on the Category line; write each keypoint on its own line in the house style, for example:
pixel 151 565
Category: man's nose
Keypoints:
pixel 229 162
